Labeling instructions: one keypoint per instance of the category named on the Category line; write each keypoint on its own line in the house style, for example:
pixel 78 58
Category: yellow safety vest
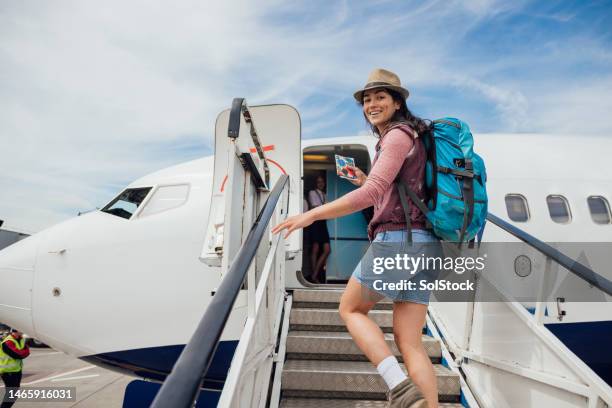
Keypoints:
pixel 9 364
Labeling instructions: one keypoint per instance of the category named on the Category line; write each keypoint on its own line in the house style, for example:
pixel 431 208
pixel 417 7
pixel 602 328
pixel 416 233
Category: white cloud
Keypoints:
pixel 511 104
pixel 580 107
pixel 96 94
pixel 484 8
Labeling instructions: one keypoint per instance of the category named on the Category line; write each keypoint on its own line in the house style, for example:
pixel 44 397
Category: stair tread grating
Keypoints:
pixel 325 368
pixel 356 367
pixel 306 319
pixel 340 403
pixel 331 344
pixel 351 376
pixel 328 298
pixel 323 317
pixel 338 335
pixel 324 295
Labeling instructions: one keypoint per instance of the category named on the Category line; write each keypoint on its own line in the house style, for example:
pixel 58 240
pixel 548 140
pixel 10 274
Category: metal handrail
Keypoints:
pixel 578 269
pixel 181 387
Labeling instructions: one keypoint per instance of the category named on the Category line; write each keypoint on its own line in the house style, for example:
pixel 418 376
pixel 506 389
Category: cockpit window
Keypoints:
pixel 127 203
pixel 165 198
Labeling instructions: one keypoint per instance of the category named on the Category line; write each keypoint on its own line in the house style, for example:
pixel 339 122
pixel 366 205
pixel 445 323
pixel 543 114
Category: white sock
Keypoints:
pixel 391 372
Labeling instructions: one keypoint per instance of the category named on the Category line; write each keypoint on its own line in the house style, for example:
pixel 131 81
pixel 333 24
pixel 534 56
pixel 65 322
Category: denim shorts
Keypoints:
pixel 416 294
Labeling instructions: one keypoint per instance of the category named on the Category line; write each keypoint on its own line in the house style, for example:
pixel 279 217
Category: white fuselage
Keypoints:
pixel 100 284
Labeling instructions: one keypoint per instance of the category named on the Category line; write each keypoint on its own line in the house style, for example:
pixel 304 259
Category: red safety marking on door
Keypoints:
pixel 223 183
pixel 277 165
pixel 267 148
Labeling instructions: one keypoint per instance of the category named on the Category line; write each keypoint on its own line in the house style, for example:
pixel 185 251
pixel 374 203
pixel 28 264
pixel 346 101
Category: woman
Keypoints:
pixel 318 233
pixel 400 153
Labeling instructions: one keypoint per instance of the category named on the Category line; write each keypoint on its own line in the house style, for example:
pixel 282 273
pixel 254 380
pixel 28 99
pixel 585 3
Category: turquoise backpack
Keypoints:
pixel 455 178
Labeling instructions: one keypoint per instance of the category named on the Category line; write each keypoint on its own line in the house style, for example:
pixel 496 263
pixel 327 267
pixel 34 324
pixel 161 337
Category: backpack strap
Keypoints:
pixel 415 198
pixel 401 188
pixel 468 199
pixel 456 172
pixel 404 191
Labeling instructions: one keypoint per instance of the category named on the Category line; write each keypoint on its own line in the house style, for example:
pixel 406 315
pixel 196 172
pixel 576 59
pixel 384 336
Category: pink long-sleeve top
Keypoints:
pixel 399 152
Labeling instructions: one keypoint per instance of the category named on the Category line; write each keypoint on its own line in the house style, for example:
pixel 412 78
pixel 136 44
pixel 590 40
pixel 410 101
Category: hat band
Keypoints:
pixel 372 84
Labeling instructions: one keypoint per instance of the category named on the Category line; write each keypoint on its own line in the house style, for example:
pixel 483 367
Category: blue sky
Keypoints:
pixel 96 94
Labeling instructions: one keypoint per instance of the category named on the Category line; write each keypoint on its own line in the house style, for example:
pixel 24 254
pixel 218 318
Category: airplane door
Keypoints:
pixel 278 129
pixel 348 234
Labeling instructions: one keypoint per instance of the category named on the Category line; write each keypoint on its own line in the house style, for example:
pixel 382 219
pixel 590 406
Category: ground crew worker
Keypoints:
pixel 12 352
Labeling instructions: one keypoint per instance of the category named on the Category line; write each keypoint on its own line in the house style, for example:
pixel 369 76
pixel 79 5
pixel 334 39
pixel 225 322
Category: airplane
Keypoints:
pixel 124 287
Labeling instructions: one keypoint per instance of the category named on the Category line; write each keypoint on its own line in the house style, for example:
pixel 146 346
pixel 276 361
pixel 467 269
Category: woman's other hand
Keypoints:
pixel 293 223
pixel 360 176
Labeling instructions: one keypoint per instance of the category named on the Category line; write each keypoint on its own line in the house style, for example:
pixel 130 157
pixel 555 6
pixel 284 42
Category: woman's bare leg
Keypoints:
pixel 314 251
pixel 355 304
pixel 408 321
pixel 323 257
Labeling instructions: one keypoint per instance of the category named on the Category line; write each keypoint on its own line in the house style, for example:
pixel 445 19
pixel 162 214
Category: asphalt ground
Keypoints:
pixel 95 387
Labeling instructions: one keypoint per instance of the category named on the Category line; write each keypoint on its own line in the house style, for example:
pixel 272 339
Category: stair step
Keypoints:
pixel 329 320
pixel 351 380
pixel 340 346
pixel 327 299
pixel 339 403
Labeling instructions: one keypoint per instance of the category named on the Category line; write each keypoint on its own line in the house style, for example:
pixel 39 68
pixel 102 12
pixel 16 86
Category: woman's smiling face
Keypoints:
pixel 379 107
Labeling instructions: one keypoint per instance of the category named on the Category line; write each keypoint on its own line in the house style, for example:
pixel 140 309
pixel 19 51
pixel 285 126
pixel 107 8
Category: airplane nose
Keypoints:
pixel 17 264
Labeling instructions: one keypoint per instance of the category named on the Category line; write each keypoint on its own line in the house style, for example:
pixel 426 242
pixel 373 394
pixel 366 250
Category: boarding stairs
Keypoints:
pixel 294 350
pixel 323 367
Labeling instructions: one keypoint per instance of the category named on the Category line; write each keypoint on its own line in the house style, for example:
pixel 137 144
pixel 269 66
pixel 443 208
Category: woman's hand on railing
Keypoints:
pixel 360 176
pixel 295 222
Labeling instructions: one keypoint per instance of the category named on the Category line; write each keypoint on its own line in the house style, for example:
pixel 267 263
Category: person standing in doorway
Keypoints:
pixel 319 235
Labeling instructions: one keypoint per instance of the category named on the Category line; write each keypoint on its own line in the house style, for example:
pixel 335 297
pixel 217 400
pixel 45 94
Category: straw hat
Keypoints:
pixel 381 78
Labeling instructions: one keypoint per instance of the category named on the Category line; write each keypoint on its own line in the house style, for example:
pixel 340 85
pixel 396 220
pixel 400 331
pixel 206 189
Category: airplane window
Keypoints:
pixel 127 203
pixel 517 208
pixel 166 198
pixel 600 209
pixel 559 210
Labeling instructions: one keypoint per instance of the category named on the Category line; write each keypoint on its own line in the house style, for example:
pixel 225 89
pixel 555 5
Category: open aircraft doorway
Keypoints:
pixel 348 238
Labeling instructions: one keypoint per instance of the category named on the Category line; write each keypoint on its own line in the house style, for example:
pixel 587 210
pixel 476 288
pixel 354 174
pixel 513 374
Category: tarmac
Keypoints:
pixel 95 387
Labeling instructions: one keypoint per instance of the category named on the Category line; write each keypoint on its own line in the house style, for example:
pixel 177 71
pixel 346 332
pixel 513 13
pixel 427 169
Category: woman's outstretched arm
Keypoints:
pixel 396 148
pixel 337 208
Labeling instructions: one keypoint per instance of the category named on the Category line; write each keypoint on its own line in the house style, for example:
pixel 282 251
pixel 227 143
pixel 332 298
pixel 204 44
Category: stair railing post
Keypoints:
pixel 542 298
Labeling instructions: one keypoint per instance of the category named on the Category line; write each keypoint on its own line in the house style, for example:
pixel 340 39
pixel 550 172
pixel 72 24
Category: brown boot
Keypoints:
pixel 406 395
